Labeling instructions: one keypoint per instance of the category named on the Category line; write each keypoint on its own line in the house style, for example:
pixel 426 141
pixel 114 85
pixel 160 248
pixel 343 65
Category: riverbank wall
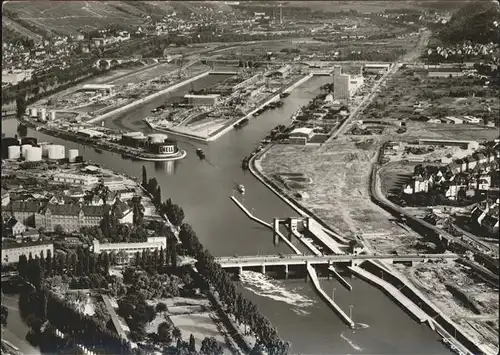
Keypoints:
pixel 148 98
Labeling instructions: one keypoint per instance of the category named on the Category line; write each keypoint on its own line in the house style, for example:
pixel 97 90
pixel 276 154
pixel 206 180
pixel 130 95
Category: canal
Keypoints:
pixel 203 189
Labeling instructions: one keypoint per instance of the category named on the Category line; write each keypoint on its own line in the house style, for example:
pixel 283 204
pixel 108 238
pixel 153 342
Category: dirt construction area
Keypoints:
pixel 338 192
pixel 475 307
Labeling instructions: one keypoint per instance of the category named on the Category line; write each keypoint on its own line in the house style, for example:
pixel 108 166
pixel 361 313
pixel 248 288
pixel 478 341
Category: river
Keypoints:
pixel 203 189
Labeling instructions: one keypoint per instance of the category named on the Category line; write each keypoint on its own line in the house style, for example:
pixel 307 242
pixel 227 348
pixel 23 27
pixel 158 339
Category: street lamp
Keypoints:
pixel 333 294
pixel 350 311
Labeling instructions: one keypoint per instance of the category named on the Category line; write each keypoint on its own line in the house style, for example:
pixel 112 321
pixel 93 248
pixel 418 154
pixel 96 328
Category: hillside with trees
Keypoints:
pixel 474 22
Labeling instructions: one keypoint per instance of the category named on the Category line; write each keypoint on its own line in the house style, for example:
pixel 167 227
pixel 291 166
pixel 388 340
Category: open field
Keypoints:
pixel 477 314
pixel 440 96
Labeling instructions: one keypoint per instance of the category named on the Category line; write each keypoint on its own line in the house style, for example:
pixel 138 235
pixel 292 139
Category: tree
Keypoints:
pixel 5 314
pixel 144 177
pixel 164 332
pixel 161 307
pixel 210 346
pixel 58 229
pixel 20 106
pixel 192 343
pixel 176 333
pixel 157 196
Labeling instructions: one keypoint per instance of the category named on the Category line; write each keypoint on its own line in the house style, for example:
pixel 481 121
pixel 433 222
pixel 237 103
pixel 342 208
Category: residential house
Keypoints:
pixel 96 201
pixel 420 185
pixel 24 211
pixel 5 198
pixel 408 189
pixel 111 198
pixel 126 194
pixel 122 211
pixel 14 228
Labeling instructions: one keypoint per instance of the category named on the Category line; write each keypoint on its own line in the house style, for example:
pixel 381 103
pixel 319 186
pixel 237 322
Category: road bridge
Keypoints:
pixel 279 260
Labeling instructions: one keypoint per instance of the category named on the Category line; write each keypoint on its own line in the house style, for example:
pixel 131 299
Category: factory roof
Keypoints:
pixel 377 65
pixel 97 86
pixel 211 96
pixel 302 130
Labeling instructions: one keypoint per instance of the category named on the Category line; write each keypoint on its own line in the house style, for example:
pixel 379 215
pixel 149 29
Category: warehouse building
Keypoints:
pixel 345 85
pixel 104 89
pixel 202 100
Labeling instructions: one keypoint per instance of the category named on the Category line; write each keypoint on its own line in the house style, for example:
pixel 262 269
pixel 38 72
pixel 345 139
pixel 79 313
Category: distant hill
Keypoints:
pixel 34 18
pixel 473 22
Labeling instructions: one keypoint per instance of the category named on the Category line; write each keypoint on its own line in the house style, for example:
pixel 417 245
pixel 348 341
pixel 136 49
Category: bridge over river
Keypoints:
pixel 285 260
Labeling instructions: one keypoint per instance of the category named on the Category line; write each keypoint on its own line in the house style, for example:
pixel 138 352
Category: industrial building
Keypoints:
pixel 376 68
pixel 11 253
pixel 345 85
pixel 98 88
pixel 450 143
pixel 202 100
pixel 301 135
pixel 76 179
pixel 90 133
pixel 129 249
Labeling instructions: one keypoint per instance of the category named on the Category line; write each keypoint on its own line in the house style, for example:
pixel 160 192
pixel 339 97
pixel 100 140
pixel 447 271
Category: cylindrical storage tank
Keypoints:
pixel 29 140
pixel 34 154
pixel 43 110
pixel 45 149
pixel 56 152
pixel 72 154
pixel 157 137
pixel 7 142
pixel 14 152
pixel 34 112
pixel 24 149
pixel 52 115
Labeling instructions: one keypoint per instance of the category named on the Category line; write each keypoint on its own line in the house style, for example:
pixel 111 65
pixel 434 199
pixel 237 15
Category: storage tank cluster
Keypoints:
pixel 72 154
pixel 56 152
pixel 6 143
pixel 33 154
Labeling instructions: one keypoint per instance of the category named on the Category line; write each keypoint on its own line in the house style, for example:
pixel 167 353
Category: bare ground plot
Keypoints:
pixel 339 191
pixel 419 130
pixel 436 282
pixel 394 175
pixel 148 74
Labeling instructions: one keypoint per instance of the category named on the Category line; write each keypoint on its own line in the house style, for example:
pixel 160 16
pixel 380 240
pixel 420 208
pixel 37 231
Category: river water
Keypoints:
pixel 203 189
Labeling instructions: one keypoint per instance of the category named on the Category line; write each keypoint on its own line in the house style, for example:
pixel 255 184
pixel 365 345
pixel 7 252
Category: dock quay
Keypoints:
pixel 265 224
pixel 149 97
pixel 112 147
pixel 314 278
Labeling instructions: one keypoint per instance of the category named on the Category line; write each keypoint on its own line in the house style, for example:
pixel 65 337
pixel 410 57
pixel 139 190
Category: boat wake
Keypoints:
pixel 358 326
pixel 351 343
pixel 264 286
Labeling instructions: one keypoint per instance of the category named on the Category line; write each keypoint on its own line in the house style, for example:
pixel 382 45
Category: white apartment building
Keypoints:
pixel 129 249
pixel 76 179
pixel 11 253
pixel 345 85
